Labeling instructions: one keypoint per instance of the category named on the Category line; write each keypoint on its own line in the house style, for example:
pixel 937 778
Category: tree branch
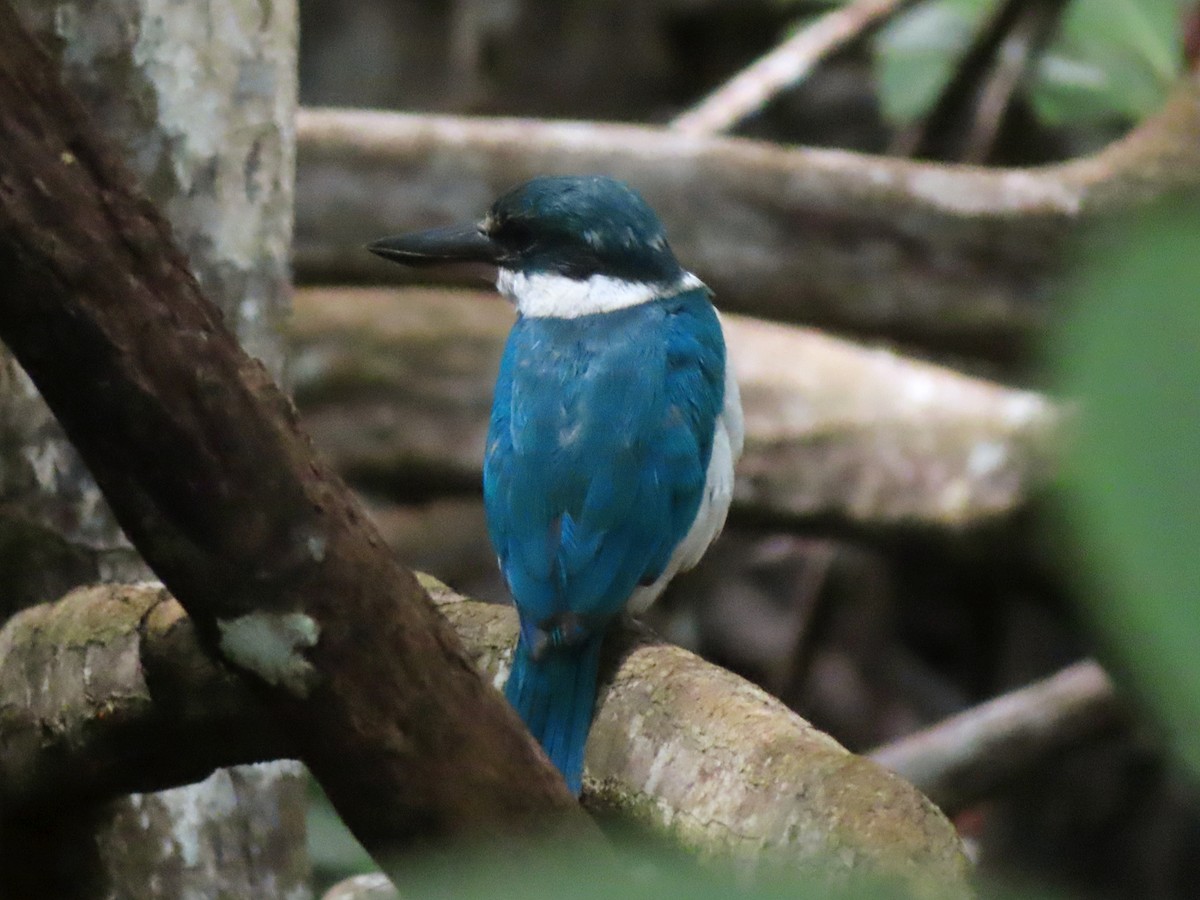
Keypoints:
pixel 109 692
pixel 784 67
pixel 201 459
pixel 950 256
pixel 683 747
pixel 968 756
pixel 396 387
pixel 967 115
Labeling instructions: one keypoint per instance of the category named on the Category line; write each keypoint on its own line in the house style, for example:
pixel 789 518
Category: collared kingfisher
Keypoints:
pixel 615 427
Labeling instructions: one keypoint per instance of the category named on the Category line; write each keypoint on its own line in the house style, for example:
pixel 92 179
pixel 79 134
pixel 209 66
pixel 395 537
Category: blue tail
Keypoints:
pixel 555 695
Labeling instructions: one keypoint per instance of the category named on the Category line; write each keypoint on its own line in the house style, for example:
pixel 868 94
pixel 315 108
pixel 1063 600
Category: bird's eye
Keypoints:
pixel 514 236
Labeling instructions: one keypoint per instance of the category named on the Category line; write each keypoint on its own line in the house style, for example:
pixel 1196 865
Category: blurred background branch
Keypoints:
pixel 752 88
pixel 958 260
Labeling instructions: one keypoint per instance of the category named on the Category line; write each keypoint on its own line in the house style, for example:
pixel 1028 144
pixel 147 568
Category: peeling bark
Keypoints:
pixel 206 470
pixel 680 746
pixel 396 387
pixel 952 257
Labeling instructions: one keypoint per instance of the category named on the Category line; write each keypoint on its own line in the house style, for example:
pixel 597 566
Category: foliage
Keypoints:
pixel 1129 350
pixel 332 849
pixel 1110 60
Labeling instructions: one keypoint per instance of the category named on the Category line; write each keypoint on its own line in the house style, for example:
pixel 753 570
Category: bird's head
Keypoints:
pixel 563 246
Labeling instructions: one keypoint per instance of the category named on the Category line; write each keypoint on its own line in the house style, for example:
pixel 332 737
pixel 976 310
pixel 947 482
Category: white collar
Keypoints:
pixel 551 295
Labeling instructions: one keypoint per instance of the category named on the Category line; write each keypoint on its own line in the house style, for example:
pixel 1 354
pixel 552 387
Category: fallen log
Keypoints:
pixel 396 387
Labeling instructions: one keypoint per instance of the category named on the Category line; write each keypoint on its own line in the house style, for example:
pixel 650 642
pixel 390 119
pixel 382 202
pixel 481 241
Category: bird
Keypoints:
pixel 615 426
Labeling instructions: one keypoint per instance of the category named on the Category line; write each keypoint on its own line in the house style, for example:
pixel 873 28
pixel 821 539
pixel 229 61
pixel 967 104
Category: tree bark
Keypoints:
pixel 684 748
pixel 110 691
pixel 201 99
pixel 206 470
pixel 951 257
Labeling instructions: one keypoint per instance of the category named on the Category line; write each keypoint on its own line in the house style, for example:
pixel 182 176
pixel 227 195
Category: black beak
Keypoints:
pixel 456 244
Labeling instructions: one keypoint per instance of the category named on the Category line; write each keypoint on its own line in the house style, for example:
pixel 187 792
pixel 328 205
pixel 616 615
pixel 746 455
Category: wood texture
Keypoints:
pixel 682 747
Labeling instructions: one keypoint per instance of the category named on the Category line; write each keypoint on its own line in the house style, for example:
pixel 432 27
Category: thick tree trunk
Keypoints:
pixel 201 458
pixel 201 99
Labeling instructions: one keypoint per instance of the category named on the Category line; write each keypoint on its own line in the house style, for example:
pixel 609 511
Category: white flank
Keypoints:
pixel 546 294
pixel 269 645
pixel 728 437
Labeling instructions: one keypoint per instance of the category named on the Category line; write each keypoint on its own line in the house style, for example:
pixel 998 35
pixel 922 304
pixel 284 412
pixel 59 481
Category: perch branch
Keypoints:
pixel 951 256
pixel 396 387
pixel 109 691
pixel 200 457
pixel 679 745
pixel 967 757
pixel 785 66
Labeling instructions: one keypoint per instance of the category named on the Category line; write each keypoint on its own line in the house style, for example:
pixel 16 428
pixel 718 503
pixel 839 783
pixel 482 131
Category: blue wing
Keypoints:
pixel 597 454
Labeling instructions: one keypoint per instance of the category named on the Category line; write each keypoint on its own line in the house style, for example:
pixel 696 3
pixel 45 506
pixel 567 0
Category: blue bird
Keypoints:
pixel 615 427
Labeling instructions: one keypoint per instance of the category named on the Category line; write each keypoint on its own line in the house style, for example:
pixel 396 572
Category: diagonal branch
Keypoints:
pixel 963 759
pixel 784 67
pixel 967 115
pixel 202 461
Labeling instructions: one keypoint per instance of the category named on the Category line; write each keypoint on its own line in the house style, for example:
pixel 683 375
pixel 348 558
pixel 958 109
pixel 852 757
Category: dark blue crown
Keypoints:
pixel 577 226
pixel 580 226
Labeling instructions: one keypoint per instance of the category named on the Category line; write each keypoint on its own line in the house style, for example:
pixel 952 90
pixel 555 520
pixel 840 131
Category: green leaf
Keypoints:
pixel 1130 352
pixel 1112 60
pixel 917 52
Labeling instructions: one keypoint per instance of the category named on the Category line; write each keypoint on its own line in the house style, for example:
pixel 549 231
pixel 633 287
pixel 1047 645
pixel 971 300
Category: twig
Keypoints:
pixel 819 560
pixel 969 756
pixel 1015 57
pixel 958 127
pixel 786 65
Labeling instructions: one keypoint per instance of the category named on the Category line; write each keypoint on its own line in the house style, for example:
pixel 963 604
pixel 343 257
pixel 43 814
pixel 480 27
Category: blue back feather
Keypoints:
pixel 597 455
pixel 599 443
